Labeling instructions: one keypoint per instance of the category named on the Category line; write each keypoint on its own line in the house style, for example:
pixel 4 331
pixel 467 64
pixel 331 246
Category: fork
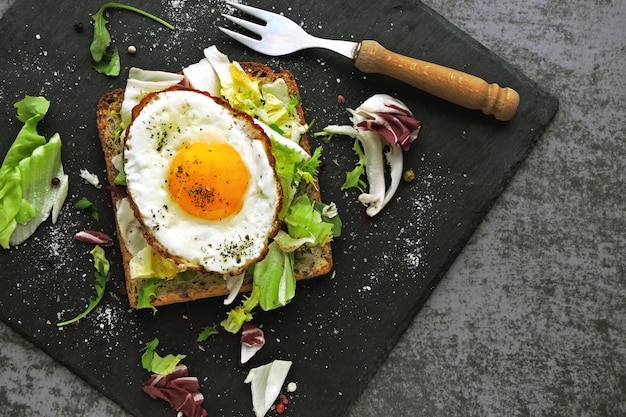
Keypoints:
pixel 281 36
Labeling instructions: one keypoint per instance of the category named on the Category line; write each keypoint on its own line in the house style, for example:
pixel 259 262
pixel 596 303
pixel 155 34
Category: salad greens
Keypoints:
pixel 270 102
pixel 88 206
pixel 238 315
pixel 102 277
pixel 304 220
pixel 354 178
pixel 206 332
pixel 108 63
pixel 382 127
pixel 275 278
pixel 33 184
pixel 153 362
pixel 266 382
pixel 274 109
pixel 292 167
pixel 147 291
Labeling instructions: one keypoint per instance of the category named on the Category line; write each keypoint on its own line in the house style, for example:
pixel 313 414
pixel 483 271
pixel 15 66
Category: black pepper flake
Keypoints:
pixel 78 26
pixel 55 181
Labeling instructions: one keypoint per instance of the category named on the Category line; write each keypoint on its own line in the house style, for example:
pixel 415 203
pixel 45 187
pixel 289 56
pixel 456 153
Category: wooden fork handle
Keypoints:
pixel 449 84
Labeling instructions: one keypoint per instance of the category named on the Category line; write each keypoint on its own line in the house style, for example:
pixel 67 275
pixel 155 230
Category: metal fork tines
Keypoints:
pixel 280 35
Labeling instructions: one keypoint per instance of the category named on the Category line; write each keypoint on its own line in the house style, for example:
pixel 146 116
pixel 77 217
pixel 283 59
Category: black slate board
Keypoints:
pixel 340 327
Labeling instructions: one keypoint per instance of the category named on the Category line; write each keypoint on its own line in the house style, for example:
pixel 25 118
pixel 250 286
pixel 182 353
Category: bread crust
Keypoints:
pixel 312 262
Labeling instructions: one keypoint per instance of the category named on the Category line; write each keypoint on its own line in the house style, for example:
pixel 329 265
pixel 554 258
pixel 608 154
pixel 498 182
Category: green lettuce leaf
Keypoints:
pixel 148 263
pixel 275 278
pixel 27 194
pixel 304 221
pixel 354 178
pixel 147 291
pixel 10 204
pixel 39 196
pixel 110 64
pixel 243 93
pixel 86 205
pixel 30 111
pixel 238 315
pixel 335 220
pixel 105 62
pixel 206 332
pixel 287 243
pixel 286 161
pixel 120 178
pixel 165 365
pixel 307 169
pixel 153 362
pixel 279 109
pixel 270 103
pixel 235 319
pixel 102 277
pixel 293 166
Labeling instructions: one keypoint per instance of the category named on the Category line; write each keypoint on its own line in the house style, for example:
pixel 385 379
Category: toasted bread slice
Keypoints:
pixel 309 262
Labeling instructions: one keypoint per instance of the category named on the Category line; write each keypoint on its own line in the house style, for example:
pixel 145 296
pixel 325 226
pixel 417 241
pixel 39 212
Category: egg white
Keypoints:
pixel 165 124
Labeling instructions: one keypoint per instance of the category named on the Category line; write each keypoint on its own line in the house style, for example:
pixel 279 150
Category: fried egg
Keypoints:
pixel 201 180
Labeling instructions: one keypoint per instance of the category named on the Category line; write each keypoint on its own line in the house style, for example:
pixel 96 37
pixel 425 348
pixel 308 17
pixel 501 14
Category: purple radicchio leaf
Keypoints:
pixel 95 237
pixel 252 340
pixel 390 118
pixel 180 390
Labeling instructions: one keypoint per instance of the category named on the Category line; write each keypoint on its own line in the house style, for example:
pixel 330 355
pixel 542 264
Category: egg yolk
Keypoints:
pixel 208 180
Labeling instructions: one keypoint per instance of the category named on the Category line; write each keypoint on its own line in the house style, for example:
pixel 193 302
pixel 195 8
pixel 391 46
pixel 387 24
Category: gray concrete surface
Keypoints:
pixel 531 319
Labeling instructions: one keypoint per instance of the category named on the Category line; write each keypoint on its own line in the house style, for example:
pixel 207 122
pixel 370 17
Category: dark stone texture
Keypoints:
pixel 530 318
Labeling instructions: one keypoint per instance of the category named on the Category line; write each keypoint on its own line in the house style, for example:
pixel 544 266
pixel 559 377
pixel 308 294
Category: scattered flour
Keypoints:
pixel 187 16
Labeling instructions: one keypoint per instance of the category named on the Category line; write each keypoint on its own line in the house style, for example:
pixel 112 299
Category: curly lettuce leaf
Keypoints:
pixel 102 275
pixel 276 109
pixel 206 332
pixel 148 263
pixel 153 362
pixel 289 244
pixel 354 178
pixel 147 291
pixel 30 111
pixel 244 93
pixel 238 315
pixel 120 178
pixel 304 221
pixel 306 169
pixel 287 162
pixel 271 103
pixel 235 319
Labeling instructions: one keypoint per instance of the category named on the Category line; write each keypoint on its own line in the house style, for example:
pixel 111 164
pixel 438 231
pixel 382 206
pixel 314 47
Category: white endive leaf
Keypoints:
pixel 266 383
